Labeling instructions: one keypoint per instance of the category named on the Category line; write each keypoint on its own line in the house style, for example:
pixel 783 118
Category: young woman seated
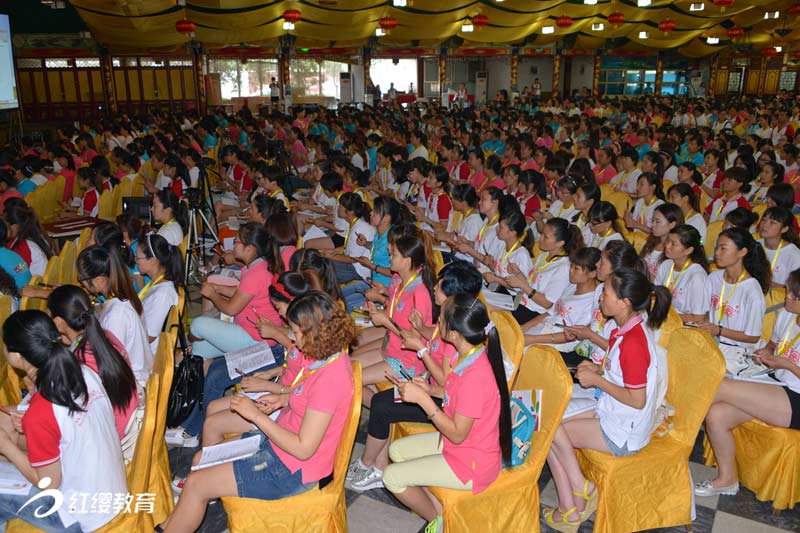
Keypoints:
pixel 685 272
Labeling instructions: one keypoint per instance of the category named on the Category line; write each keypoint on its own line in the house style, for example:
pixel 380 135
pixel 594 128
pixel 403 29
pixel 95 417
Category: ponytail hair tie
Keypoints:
pixel 488 328
pixel 282 291
pixel 55 341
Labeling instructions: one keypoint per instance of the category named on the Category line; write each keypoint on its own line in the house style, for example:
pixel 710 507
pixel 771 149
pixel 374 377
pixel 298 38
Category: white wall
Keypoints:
pixel 357 80
pixel 544 71
pixel 578 80
pixel 498 73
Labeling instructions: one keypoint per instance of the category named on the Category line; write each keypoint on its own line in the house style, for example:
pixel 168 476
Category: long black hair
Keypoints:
pixel 623 254
pixel 785 218
pixel 690 238
pixel 96 261
pixel 352 202
pixel 568 233
pixel 59 378
pixel 755 261
pixel 634 286
pixel 466 315
pixel 109 236
pixel 310 259
pixel 28 226
pixel 72 305
pixel 414 248
pixel 169 256
pixel 170 200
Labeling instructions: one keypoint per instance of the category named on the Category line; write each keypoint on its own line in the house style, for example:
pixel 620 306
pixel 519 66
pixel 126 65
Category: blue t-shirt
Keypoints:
pixel 380 257
pixel 16 267
pixel 209 142
pixel 373 158
pixel 25 186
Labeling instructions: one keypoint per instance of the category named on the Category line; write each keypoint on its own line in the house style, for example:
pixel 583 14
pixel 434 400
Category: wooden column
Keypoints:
pixel 762 76
pixel 366 57
pixel 514 69
pixel 659 74
pixel 556 73
pixel 420 76
pixel 442 74
pixel 596 75
pixel 107 74
pixel 198 65
pixel 712 81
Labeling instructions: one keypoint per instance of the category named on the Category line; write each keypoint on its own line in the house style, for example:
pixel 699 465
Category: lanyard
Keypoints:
pixel 604 236
pixel 722 303
pixel 349 231
pixel 146 288
pixel 463 220
pixel 786 343
pixel 538 268
pixel 486 226
pixel 399 293
pixel 471 352
pixel 671 270
pixel 513 247
pixel 302 376
pixel 645 205
pixel 775 257
pixel 720 208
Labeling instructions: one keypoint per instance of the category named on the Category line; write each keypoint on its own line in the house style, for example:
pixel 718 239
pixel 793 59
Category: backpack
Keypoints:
pixel 523 424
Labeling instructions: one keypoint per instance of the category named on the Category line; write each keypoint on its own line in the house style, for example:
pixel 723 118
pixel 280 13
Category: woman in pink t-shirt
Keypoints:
pixel 474 424
pixel 299 448
pixel 411 289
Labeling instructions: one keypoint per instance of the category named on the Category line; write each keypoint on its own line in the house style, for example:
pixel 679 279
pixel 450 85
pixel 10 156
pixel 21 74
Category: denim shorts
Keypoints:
pixel 615 450
pixel 264 476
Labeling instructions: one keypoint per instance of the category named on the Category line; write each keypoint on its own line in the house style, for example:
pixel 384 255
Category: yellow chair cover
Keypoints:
pixel 313 511
pixel 767 461
pixel 652 488
pixel 621 201
pixel 10 393
pixel 138 473
pixel 82 238
pixel 438 261
pixel 712 232
pixel 606 191
pixel 671 324
pixel 27 303
pixel 759 209
pixel 775 297
pixel 138 186
pixel 511 502
pixel 106 208
pixel 52 272
pixel 637 239
pixel 160 475
pixel 67 274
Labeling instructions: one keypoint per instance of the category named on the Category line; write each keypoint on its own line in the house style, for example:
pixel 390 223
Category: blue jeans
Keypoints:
pixel 264 476
pixel 216 381
pixel 227 337
pixel 353 294
pixel 11 503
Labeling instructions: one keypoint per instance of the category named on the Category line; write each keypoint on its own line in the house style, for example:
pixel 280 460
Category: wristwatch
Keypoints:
pixel 421 352
pixel 532 293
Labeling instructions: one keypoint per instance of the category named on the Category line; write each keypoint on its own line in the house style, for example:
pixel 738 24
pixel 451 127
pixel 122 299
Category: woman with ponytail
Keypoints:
pixel 68 430
pixel 170 212
pixel 162 263
pixel 486 248
pixel 517 241
pixel 734 294
pixel 685 197
pixel 684 272
pixel 473 440
pixel 621 424
pixel 73 315
pixel 780 242
pixel 345 258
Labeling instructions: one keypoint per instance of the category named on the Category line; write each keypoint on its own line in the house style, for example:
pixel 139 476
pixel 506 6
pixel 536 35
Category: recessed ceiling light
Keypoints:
pixel 399 3
pixel 644 35
pixel 699 6
pixel 379 32
pixel 590 2
pixel 779 49
pixel 467 27
pixel 772 14
pixel 643 3
pixel 712 40
pixel 548 29
pixel 598 26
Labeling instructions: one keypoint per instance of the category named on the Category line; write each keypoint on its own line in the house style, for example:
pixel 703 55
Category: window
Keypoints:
pixel 180 63
pixel 400 72
pixel 151 62
pixel 29 62
pixel 240 78
pixel 316 77
pixel 735 81
pixel 787 80
pixel 57 63
pixel 87 62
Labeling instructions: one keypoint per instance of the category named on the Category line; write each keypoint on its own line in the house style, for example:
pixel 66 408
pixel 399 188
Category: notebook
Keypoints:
pixel 228 452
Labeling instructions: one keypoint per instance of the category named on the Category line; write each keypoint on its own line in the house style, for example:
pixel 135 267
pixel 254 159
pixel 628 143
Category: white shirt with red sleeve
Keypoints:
pixel 88 447
pixel 630 362
pixel 325 386
pixel 471 391
pixel 720 207
pixel 90 203
pixel 439 207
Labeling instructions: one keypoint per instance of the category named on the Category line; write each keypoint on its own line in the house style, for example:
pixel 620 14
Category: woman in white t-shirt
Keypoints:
pixel 163 264
pixel 465 222
pixel 356 212
pixel 564 206
pixel 603 225
pixel 737 402
pixel 70 441
pixel 550 275
pixel 170 212
pixel 26 237
pixel 436 214
pixel 487 248
pixel 517 240
pixel 780 243
pixel 684 196
pixel 735 293
pixel 665 218
pixel 621 424
pixel 102 274
pixel 684 272
pixel 650 194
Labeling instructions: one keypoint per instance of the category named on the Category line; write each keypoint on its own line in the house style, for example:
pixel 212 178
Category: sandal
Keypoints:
pixel 591 501
pixel 562 525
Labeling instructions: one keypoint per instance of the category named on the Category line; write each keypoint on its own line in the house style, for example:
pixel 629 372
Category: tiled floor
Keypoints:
pixel 376 511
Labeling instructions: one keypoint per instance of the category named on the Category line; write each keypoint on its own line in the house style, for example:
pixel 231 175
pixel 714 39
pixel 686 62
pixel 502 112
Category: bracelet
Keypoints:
pixel 719 332
pixel 433 414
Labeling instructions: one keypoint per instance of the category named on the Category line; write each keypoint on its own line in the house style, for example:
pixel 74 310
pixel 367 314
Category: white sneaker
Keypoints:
pixel 178 438
pixel 356 470
pixel 371 479
pixel 706 489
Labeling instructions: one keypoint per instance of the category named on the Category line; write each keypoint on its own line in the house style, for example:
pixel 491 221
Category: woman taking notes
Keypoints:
pixel 474 424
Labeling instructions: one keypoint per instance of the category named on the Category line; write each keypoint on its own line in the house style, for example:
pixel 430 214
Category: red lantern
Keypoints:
pixel 797 54
pixel 292 15
pixel 769 52
pixel 794 10
pixel 185 26
pixel 479 21
pixel 734 32
pixel 667 25
pixel 564 21
pixel 722 4
pixel 616 19
pixel 387 24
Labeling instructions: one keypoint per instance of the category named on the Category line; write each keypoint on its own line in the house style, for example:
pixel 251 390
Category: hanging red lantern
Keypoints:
pixel 796 54
pixel 722 4
pixel 734 32
pixel 794 10
pixel 185 26
pixel 387 24
pixel 667 26
pixel 292 15
pixel 479 21
pixel 769 52
pixel 564 21
pixel 616 19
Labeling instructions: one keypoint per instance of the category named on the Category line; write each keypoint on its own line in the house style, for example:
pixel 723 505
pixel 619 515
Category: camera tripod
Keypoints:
pixel 201 235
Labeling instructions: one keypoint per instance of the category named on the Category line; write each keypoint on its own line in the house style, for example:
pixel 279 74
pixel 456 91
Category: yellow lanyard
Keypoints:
pixel 463 220
pixel 645 206
pixel 513 247
pixel 671 270
pixel 472 351
pixel 604 236
pixel 486 226
pixel 775 257
pixel 722 303
pixel 786 343
pixel 399 293
pixel 349 231
pixel 146 288
pixel 302 376
pixel 538 268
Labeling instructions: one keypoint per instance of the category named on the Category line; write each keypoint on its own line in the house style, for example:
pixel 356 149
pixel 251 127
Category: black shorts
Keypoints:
pixel 274 99
pixel 794 403
pixel 337 239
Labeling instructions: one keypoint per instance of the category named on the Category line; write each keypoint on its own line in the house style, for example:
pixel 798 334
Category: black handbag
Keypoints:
pixel 187 384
